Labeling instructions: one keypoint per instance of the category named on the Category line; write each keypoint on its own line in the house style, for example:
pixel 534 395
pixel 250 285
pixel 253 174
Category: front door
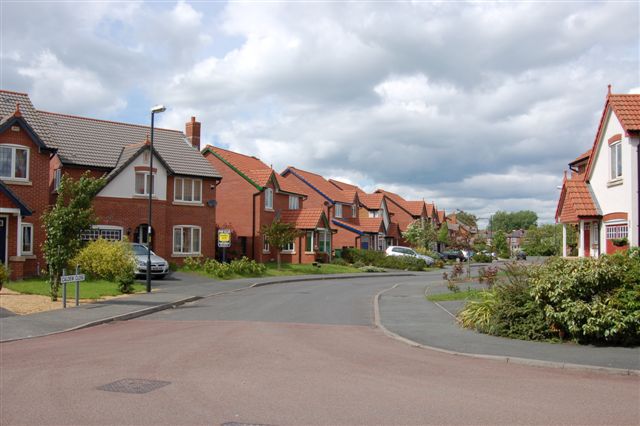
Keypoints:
pixel 3 239
pixel 587 241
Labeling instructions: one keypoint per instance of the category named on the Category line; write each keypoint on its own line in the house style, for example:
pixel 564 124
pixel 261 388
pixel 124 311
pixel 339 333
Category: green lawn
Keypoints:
pixel 470 294
pixel 88 289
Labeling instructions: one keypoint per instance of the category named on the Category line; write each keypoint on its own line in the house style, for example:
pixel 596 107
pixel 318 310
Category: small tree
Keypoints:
pixel 279 234
pixel 500 244
pixel 420 233
pixel 64 222
pixel 443 234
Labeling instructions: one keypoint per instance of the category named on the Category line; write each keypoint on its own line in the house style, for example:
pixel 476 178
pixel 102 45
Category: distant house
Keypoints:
pixel 37 148
pixel 254 195
pixel 600 197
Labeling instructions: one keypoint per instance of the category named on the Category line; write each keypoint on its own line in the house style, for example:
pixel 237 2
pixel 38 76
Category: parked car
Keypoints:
pixel 406 251
pixel 520 255
pixel 454 255
pixel 159 266
pixel 489 253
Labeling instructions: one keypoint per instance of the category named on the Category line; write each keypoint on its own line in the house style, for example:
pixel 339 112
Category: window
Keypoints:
pixel 27 238
pixel 144 183
pixel 294 202
pixel 186 239
pixel 268 199
pixel 289 248
pixel 617 231
pixel 616 160
pixel 265 246
pixel 188 190
pixel 107 232
pixel 338 210
pixel 14 162
pixel 354 210
pixel 57 176
pixel 375 213
pixel 309 242
pixel 324 241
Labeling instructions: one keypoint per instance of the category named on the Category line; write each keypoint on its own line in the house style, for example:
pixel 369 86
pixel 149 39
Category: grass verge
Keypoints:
pixel 88 289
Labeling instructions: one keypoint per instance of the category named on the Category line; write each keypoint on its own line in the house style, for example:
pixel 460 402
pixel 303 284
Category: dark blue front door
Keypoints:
pixel 3 239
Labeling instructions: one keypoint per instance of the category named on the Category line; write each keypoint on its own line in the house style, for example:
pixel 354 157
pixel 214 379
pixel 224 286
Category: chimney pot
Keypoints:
pixel 192 130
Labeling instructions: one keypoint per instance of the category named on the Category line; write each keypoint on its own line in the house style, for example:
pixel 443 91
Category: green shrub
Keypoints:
pixel 482 258
pixel 339 261
pixel 439 263
pixel 108 260
pixel 477 314
pixel 358 264
pixel 243 266
pixel 372 269
pixel 407 263
pixel 367 257
pixel 193 263
pixel 4 275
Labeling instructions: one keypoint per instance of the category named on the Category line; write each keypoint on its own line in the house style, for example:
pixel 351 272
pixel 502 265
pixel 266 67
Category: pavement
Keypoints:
pixel 403 312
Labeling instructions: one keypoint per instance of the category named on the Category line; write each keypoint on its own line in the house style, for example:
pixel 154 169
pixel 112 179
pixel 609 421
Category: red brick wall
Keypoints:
pixel 35 195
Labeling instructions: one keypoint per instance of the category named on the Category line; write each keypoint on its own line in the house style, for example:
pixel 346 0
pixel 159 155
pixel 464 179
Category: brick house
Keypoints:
pixel 600 198
pixel 254 195
pixel 341 207
pixel 56 144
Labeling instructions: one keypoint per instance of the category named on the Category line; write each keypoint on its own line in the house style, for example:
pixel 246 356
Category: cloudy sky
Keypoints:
pixel 477 106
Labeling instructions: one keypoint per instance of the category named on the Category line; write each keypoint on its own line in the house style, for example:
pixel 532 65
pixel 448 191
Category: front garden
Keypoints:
pixel 588 301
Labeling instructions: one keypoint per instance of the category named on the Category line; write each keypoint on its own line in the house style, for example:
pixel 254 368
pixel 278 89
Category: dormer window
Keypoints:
pixel 14 162
pixel 268 199
pixel 294 202
pixel 338 210
pixel 354 210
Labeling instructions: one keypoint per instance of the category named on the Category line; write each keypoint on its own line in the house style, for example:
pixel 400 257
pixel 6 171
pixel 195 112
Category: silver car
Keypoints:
pixel 159 266
pixel 406 251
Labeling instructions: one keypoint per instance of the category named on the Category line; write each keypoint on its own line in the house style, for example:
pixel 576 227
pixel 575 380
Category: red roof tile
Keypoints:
pixel 416 208
pixel 627 109
pixel 575 201
pixel 369 225
pixel 582 157
pixel 371 201
pixel 303 219
pixel 441 216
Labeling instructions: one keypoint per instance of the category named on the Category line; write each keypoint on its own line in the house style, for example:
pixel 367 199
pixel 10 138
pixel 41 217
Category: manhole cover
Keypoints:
pixel 133 386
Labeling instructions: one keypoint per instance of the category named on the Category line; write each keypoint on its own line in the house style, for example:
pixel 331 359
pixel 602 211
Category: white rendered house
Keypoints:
pixel 601 196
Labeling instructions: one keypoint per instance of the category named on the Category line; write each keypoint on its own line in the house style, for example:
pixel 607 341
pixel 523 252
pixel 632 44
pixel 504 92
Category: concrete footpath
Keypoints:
pixel 173 291
pixel 404 311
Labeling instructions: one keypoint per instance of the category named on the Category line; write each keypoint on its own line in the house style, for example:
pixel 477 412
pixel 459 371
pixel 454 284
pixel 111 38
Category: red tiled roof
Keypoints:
pixel 582 157
pixel 441 216
pixel 575 201
pixel 430 209
pixel 627 109
pixel 310 218
pixel 345 185
pixel 251 167
pixel 324 186
pixel 416 208
pixel 394 230
pixel 369 225
pixel 291 185
pixel 392 196
pixel 371 201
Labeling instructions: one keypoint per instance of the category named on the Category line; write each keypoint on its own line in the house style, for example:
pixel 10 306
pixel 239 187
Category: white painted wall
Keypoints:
pixel 123 185
pixel 618 198
pixel 635 169
pixel 385 214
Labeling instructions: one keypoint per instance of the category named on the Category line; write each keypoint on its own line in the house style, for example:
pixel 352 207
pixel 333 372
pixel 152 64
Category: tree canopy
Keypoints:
pixel 420 234
pixel 278 235
pixel 510 221
pixel 467 218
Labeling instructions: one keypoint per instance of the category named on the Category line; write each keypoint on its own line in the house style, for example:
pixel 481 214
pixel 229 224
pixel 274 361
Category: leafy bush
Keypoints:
pixel 358 264
pixel 367 257
pixel 339 261
pixel 193 263
pixel 482 258
pixel 361 258
pixel 243 266
pixel 439 263
pixel 108 260
pixel 372 269
pixel 587 300
pixel 407 263
pixel 488 275
pixel 4 275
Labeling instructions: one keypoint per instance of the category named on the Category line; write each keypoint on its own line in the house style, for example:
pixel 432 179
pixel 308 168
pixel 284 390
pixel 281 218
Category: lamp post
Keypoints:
pixel 155 110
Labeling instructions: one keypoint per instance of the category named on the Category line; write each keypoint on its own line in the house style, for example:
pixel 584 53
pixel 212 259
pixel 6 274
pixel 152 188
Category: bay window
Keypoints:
pixel 187 190
pixel 186 240
pixel 14 162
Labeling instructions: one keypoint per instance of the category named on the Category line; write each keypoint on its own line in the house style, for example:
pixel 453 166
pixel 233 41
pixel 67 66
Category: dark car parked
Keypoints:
pixel 521 255
pixel 454 255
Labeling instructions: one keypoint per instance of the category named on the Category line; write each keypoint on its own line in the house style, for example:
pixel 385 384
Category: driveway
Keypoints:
pixel 304 353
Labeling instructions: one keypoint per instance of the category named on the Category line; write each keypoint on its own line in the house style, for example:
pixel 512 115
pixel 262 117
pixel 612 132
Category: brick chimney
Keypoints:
pixel 192 130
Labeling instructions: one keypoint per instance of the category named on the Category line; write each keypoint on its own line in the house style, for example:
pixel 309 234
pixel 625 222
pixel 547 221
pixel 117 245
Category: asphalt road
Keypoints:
pixel 302 353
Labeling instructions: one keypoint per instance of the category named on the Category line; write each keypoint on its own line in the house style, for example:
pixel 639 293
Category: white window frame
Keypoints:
pixel 620 230
pixel 268 199
pixel 14 148
pixel 312 245
pixel 289 248
pixel 615 162
pixel 266 248
pixel 107 232
pixel 354 210
pixel 146 183
pixel 294 202
pixel 23 227
pixel 57 177
pixel 338 212
pixel 192 250
pixel 182 181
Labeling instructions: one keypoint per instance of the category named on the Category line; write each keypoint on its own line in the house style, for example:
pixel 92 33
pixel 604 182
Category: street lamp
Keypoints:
pixel 155 110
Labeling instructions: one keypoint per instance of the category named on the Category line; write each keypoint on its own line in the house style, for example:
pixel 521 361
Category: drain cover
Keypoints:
pixel 133 386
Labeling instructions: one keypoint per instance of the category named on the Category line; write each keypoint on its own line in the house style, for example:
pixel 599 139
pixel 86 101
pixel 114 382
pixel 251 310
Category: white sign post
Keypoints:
pixel 76 278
